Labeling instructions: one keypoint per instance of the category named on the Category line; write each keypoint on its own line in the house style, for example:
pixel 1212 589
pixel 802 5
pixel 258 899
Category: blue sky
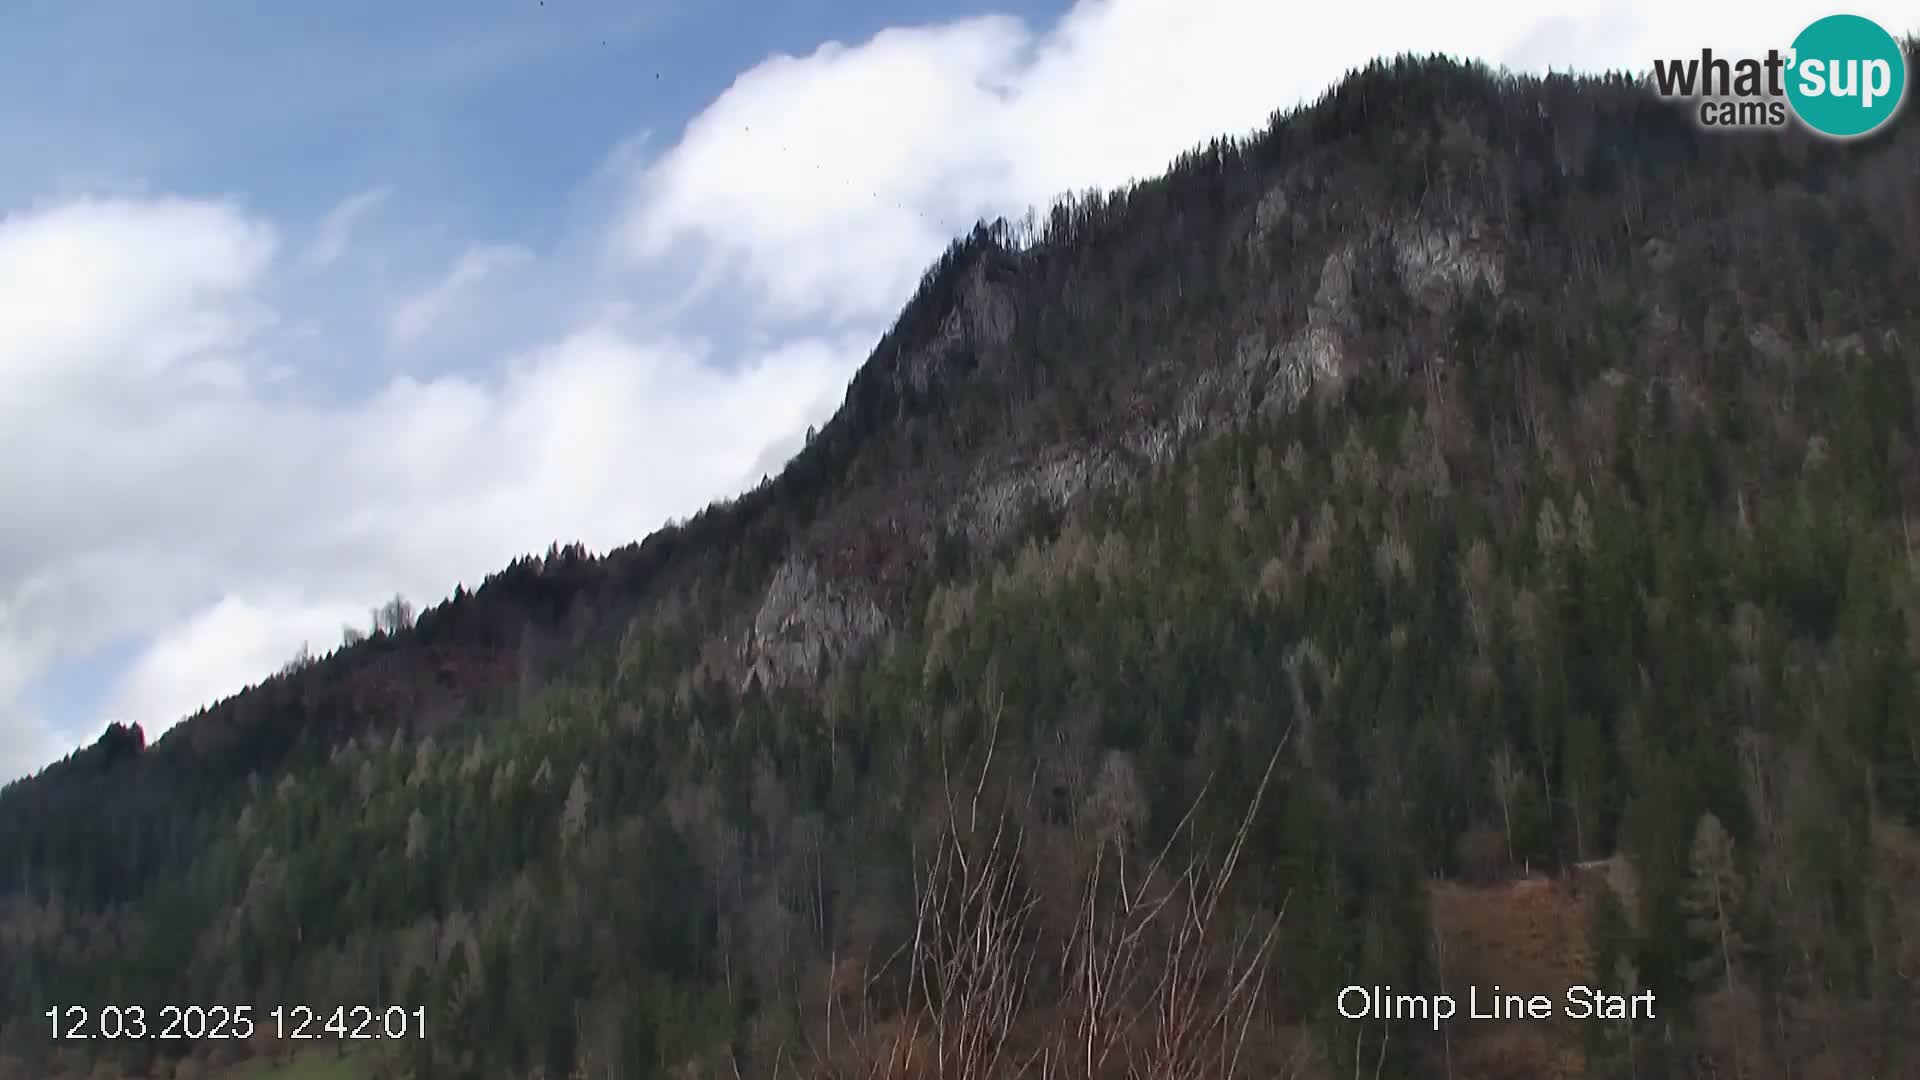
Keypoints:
pixel 300 101
pixel 304 304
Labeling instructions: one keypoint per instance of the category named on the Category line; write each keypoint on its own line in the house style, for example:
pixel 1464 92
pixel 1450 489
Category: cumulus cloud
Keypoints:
pixel 836 150
pixel 226 521
pixel 118 291
pixel 832 179
pixel 200 657
pixel 193 490
pixel 336 229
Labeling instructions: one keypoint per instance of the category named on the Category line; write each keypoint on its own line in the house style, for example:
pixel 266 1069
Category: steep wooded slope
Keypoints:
pixel 1541 466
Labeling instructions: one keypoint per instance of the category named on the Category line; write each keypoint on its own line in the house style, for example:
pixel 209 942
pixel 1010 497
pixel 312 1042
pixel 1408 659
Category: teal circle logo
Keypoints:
pixel 1848 76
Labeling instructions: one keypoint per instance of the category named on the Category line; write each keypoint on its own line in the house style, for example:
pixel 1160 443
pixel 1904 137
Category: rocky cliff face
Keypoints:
pixel 810 611
pixel 1439 263
pixel 1272 370
pixel 982 319
pixel 993 508
pixel 803 619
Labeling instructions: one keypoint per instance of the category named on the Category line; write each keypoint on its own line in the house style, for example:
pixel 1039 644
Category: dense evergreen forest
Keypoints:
pixel 1469 489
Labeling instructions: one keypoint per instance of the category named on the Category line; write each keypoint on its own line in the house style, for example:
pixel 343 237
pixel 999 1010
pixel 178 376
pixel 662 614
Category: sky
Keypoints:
pixel 306 305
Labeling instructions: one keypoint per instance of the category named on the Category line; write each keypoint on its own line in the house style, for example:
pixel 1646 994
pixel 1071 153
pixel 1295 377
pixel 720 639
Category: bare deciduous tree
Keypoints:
pixel 1155 980
pixel 1713 898
pixel 1506 785
pixel 393 617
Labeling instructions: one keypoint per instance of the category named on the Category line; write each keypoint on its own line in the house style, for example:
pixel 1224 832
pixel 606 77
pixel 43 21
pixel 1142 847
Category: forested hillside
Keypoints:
pixel 1467 527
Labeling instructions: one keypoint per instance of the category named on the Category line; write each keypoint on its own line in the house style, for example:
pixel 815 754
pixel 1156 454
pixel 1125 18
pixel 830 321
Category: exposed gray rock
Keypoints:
pixel 1278 374
pixel 1310 358
pixel 1272 212
pixel 1434 264
pixel 1317 353
pixel 993 509
pixel 1854 346
pixel 987 309
pixel 1438 264
pixel 803 619
pixel 1213 392
pixel 982 317
pixel 1770 343
pixel 1153 444
pixel 920 367
pixel 1333 300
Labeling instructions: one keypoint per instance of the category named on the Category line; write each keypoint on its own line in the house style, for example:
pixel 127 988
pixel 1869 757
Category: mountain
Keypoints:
pixel 1460 535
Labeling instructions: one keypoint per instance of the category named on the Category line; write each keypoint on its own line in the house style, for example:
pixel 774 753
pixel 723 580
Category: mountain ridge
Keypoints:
pixel 956 312
pixel 1536 463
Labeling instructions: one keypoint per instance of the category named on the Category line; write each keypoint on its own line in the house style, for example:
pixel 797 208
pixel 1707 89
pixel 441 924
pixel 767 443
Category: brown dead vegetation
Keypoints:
pixel 1155 978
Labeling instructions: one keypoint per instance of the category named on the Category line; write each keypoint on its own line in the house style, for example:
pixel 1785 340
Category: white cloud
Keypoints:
pixel 774 456
pixel 836 151
pixel 27 742
pixel 419 312
pixel 224 523
pixel 120 290
pixel 28 746
pixel 209 654
pixel 186 492
pixel 834 178
pixel 336 229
